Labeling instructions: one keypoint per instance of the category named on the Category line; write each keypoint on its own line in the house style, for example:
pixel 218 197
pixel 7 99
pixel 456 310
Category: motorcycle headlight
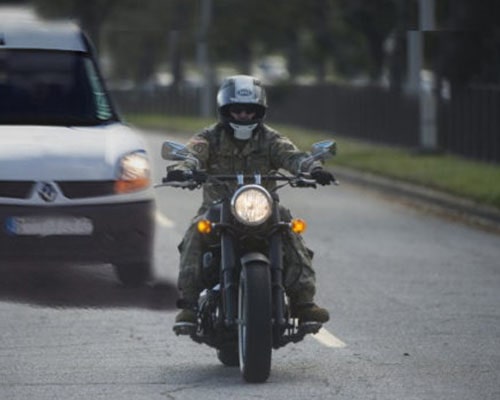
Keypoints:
pixel 134 173
pixel 252 205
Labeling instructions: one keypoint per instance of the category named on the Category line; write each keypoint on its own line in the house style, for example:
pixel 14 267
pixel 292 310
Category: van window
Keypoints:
pixel 40 87
pixel 103 108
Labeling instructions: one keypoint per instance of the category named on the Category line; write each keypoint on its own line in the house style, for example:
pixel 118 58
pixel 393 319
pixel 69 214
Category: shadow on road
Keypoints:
pixel 89 286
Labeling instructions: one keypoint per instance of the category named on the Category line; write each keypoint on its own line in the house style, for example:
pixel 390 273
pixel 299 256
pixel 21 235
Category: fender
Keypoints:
pixel 248 259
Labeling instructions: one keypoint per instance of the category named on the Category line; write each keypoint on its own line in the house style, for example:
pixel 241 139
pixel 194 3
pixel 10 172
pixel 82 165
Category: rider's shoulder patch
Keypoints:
pixel 199 146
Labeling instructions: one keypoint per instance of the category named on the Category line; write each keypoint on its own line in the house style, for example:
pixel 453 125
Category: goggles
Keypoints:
pixel 240 108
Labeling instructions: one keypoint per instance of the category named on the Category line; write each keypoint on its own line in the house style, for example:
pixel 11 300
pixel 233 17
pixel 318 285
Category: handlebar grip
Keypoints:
pixel 199 176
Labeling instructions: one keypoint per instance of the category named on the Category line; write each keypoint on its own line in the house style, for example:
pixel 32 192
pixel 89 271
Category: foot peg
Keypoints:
pixel 184 328
pixel 310 327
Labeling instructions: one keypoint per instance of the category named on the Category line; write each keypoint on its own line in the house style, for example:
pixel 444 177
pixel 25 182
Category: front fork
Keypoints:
pixel 276 258
pixel 229 271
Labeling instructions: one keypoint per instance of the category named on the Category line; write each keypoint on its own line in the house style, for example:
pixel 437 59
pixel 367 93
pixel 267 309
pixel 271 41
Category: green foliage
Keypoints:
pixel 468 47
pixel 138 36
pixel 375 21
pixel 324 38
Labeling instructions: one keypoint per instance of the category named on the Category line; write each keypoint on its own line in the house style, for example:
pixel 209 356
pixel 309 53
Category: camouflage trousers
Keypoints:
pixel 299 275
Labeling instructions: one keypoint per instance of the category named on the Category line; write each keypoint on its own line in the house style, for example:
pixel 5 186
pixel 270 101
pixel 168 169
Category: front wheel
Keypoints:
pixel 255 327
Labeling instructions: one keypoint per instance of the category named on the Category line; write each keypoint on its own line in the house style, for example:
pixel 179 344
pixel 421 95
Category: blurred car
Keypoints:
pixel 271 70
pixel 74 180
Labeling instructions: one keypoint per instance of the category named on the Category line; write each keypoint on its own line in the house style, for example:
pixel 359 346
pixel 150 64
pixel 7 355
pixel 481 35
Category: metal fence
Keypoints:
pixel 369 113
pixel 468 123
pixel 184 101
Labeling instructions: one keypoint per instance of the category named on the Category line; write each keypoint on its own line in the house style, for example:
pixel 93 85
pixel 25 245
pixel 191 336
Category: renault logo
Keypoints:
pixel 47 192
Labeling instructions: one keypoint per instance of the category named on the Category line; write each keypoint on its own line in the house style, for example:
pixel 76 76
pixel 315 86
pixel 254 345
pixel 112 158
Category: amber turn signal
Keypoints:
pixel 204 226
pixel 298 225
pixel 132 185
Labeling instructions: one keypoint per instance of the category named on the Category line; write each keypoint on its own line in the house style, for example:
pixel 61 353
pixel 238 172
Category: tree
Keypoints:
pixel 142 36
pixel 469 42
pixel 375 20
pixel 91 14
pixel 138 36
pixel 322 36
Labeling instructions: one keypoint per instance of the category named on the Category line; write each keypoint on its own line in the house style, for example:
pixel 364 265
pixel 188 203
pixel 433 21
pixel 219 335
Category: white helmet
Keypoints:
pixel 246 91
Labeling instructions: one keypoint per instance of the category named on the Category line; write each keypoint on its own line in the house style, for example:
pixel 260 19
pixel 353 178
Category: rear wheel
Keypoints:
pixel 255 328
pixel 133 274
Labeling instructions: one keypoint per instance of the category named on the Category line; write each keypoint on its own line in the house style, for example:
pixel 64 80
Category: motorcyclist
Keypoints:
pixel 241 142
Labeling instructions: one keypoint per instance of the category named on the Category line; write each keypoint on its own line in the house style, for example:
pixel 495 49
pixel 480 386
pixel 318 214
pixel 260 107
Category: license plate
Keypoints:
pixel 47 226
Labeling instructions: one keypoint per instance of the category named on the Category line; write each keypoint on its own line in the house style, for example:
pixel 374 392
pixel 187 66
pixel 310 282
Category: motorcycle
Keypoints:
pixel 243 312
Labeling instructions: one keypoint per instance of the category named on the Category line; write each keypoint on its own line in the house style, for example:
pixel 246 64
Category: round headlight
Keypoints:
pixel 251 205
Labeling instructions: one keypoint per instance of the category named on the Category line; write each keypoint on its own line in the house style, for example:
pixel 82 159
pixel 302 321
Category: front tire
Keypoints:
pixel 255 327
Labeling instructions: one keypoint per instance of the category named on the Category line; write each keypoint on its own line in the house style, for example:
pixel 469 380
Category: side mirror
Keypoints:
pixel 177 152
pixel 319 151
pixel 324 149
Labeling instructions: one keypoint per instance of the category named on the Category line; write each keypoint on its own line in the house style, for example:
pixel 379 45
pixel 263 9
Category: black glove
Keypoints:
pixel 322 177
pixel 182 176
pixel 177 176
pixel 199 176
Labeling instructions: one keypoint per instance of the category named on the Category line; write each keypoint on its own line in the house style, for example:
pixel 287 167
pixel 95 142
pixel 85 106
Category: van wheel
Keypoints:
pixel 133 274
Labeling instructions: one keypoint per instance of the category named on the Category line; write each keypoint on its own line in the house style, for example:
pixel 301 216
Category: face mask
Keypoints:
pixel 242 132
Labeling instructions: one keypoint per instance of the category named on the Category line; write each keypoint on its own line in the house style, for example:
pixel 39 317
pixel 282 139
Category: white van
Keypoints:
pixel 74 180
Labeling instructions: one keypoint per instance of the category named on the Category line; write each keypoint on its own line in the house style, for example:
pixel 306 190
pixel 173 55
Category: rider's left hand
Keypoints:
pixel 322 176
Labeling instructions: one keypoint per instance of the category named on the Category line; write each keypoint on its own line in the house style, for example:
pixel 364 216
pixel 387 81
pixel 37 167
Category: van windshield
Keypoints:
pixel 40 87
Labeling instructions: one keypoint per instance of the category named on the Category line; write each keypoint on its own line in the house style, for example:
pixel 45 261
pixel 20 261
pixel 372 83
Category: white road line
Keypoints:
pixel 328 340
pixel 163 220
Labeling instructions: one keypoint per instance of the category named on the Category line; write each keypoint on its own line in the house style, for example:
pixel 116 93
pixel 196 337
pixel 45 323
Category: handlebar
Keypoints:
pixel 196 181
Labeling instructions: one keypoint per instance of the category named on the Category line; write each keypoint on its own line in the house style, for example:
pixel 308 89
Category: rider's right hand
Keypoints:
pixel 182 176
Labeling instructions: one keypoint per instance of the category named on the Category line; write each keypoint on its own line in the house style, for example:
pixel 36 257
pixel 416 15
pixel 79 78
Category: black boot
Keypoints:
pixel 186 316
pixel 186 319
pixel 309 312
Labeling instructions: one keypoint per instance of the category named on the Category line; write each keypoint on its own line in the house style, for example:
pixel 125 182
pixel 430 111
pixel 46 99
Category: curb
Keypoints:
pixel 443 203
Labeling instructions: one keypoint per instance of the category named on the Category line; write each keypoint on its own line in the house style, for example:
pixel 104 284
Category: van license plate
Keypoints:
pixel 47 226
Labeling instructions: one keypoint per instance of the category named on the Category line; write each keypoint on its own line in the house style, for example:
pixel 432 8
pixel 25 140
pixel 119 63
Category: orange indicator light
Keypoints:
pixel 298 225
pixel 204 226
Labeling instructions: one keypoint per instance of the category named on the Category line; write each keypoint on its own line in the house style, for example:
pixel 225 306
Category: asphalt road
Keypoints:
pixel 414 300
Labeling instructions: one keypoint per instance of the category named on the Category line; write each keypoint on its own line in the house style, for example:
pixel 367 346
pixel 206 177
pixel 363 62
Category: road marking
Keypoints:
pixel 163 220
pixel 328 340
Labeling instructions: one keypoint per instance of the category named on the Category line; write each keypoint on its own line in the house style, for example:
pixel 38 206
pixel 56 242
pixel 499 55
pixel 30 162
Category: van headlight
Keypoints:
pixel 134 173
pixel 252 205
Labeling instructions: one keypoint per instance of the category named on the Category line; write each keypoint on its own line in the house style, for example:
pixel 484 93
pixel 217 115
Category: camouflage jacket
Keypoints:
pixel 219 153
